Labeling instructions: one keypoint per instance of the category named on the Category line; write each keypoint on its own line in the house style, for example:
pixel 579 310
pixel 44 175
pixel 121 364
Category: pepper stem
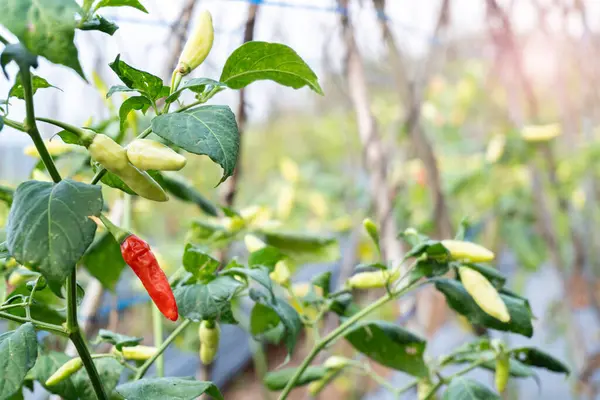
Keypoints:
pixel 119 234
pixel 85 137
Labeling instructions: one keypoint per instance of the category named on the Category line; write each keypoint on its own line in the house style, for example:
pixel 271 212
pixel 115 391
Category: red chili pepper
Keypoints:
pixel 138 255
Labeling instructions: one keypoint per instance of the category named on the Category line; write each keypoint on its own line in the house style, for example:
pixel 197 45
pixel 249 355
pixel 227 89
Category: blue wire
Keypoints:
pixel 277 3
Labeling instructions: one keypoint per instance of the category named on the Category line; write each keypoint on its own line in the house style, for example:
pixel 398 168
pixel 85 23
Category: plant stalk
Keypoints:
pixel 161 349
pixel 72 324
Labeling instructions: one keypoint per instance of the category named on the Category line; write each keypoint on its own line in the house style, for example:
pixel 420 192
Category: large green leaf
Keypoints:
pixel 390 345
pixel 117 339
pixel 461 302
pixel 78 386
pixel 255 61
pixel 18 352
pixel 259 274
pixel 45 27
pixel 168 388
pixel 122 3
pixel 462 388
pixel 144 82
pixel 210 300
pixel 37 82
pixel 205 130
pixel 538 358
pixel 49 227
pixel 276 380
pixel 104 261
pixel 287 314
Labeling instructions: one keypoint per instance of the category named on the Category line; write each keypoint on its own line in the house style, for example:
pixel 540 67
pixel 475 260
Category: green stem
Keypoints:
pixel 161 349
pixel 72 324
pixel 407 387
pixel 31 127
pixel 88 363
pixel 56 329
pixel 157 329
pixel 15 125
pixel 334 335
pixel 380 380
pixel 84 136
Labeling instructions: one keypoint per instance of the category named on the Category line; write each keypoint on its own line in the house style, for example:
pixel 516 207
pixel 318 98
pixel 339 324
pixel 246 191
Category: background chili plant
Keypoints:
pixel 53 226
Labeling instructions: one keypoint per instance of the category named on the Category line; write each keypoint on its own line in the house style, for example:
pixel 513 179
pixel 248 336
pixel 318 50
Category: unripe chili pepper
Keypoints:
pixel 502 372
pixel 281 274
pixel 65 371
pixel 138 255
pixel 146 154
pixel 138 353
pixel 372 230
pixel 484 293
pixel 253 243
pixel 198 45
pixel 337 362
pixel 372 279
pixel 113 157
pixel 540 133
pixel 467 251
pixel 210 334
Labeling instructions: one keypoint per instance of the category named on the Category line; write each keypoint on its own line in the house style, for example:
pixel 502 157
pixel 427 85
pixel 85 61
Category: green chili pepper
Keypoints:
pixel 65 371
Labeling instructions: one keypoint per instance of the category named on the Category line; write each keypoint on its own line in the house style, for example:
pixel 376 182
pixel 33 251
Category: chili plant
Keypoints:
pixel 52 228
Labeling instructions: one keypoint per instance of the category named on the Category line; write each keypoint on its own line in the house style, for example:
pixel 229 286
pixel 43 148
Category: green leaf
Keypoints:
pixel 4 251
pixel 121 3
pixel 168 388
pixel 461 302
pixel 198 263
pixel 139 103
pixel 45 28
pixel 37 83
pixel 276 380
pixel 6 194
pixel 118 89
pixel 196 85
pixel 323 281
pixel 255 61
pixel 49 227
pixel 304 248
pixel 104 261
pixel 428 267
pixel 182 189
pixel 204 130
pixel 462 388
pixel 18 54
pixel 538 358
pixel 1 120
pixel 144 82
pixel 208 301
pixel 390 345
pixel 78 386
pixel 268 256
pixel 99 23
pixel 117 339
pixel 287 314
pixel 18 352
pixel 260 274
pixel 262 319
pixel 69 137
